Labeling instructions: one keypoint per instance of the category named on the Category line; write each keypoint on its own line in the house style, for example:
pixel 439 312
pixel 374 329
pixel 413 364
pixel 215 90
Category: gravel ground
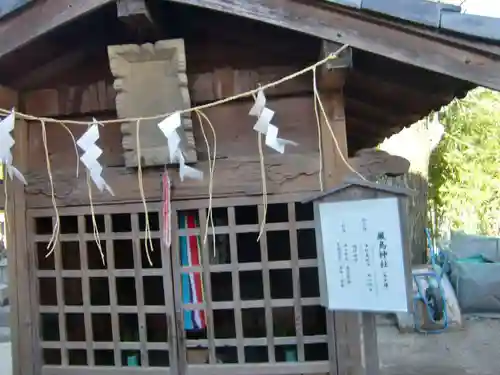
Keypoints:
pixel 473 351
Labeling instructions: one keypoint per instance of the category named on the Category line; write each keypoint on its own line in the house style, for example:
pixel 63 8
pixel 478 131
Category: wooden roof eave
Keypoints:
pixel 453 56
pixel 40 18
pixel 456 57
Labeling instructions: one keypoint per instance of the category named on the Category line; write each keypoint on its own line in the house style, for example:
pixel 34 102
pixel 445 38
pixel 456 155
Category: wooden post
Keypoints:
pixel 331 80
pixel 20 265
pixel 370 344
pixel 10 98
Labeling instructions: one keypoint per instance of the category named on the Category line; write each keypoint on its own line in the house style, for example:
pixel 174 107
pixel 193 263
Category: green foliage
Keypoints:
pixel 464 175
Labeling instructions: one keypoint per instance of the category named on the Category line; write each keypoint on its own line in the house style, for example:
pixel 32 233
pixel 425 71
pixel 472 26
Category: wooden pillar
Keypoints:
pixel 20 265
pixel 8 99
pixel 347 328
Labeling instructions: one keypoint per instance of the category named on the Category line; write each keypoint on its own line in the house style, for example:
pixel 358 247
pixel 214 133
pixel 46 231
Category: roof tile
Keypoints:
pixel 431 13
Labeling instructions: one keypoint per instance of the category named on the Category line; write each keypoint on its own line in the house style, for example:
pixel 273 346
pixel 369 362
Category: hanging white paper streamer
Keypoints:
pixel 264 126
pixel 171 127
pixel 6 144
pixel 92 152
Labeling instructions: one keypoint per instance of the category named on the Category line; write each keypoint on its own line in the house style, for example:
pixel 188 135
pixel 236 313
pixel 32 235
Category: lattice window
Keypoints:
pixel 261 299
pixel 95 314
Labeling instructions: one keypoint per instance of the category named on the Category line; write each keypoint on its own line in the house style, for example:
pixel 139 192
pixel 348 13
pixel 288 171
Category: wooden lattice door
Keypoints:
pixel 259 301
pixel 96 317
pixel 259 308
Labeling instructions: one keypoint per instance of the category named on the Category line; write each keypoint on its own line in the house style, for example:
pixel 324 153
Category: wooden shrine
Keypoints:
pixel 247 301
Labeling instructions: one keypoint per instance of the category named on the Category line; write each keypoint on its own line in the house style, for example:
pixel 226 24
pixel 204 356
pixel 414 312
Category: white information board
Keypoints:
pixel 363 255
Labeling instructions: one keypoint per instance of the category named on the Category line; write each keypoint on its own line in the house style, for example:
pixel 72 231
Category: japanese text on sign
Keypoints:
pixel 363 255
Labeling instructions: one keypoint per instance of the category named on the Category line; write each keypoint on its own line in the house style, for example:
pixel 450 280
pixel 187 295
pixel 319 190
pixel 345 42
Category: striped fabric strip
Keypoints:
pixel 196 278
pixel 192 283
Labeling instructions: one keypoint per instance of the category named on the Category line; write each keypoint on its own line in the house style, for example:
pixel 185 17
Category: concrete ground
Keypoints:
pixel 473 351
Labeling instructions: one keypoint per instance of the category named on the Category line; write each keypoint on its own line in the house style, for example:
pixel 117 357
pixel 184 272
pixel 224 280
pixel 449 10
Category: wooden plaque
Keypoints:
pixel 364 255
pixel 151 79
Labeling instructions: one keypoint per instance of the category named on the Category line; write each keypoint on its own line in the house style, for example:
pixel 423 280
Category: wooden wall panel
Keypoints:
pixel 98 96
pixel 62 150
pixel 234 128
pixel 210 78
pixel 64 100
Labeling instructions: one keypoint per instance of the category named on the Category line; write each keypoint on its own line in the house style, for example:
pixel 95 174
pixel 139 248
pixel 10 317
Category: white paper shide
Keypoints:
pixel 6 144
pixel 363 256
pixel 172 129
pixel 91 154
pixel 263 125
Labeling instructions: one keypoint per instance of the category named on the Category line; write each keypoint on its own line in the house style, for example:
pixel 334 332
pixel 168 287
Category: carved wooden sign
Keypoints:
pixel 150 79
pixel 9 6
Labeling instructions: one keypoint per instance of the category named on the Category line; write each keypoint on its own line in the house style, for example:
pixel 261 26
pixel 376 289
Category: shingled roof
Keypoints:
pixel 446 17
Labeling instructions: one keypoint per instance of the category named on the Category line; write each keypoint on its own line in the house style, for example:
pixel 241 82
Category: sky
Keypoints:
pixel 481 7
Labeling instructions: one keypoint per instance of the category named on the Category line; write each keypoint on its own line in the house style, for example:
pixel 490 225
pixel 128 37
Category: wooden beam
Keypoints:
pixel 295 173
pixel 130 9
pixel 381 37
pixel 45 72
pixel 405 75
pixel 371 34
pixel 363 85
pixel 135 14
pixel 238 176
pixel 378 114
pixel 40 18
pixel 334 72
